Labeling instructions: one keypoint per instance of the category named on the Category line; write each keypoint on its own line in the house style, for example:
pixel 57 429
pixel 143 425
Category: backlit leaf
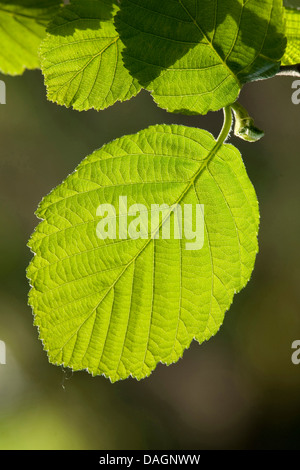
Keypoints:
pixel 195 55
pixel 118 307
pixel 22 28
pixel 81 57
pixel 292 53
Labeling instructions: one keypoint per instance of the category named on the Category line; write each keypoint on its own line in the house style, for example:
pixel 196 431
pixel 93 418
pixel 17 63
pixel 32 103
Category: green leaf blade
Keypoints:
pixel 292 53
pixel 81 58
pixel 119 307
pixel 22 28
pixel 195 55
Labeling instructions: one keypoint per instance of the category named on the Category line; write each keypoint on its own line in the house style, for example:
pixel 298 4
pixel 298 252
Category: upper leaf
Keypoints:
pixel 292 53
pixel 118 307
pixel 195 55
pixel 81 57
pixel 22 27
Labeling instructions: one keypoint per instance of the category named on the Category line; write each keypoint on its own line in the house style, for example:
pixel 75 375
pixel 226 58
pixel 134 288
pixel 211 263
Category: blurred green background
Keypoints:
pixel 240 390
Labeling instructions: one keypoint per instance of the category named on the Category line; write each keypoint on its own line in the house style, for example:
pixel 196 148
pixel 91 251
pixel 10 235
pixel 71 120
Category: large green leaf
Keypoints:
pixel 195 55
pixel 118 307
pixel 22 27
pixel 81 57
pixel 292 53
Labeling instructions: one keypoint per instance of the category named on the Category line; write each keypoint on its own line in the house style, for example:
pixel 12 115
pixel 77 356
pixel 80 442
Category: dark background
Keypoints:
pixel 240 389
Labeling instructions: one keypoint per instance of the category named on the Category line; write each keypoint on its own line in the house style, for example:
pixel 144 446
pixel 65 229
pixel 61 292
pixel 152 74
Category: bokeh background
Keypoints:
pixel 239 390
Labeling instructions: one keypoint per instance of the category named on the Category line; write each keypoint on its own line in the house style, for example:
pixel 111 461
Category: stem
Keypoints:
pixel 224 134
pixel 225 131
